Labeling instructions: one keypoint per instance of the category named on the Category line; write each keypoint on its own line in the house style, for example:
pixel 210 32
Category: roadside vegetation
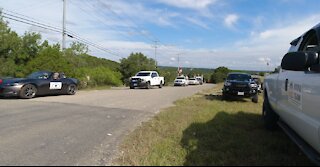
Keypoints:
pixel 22 55
pixel 206 130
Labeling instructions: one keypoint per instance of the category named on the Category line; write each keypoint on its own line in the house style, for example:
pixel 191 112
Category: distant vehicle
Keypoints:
pixel 38 83
pixel 292 94
pixel 200 80
pixel 181 81
pixel 240 85
pixel 258 81
pixel 146 79
pixel 193 81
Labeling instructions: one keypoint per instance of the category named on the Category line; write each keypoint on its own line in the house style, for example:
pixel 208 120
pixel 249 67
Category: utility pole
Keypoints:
pixel 155 52
pixel 64 26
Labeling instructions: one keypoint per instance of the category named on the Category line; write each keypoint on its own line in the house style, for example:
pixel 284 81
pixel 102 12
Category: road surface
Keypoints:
pixel 84 129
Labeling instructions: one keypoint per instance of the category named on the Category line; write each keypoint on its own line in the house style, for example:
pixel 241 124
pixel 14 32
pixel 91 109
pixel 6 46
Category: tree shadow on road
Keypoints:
pixel 238 139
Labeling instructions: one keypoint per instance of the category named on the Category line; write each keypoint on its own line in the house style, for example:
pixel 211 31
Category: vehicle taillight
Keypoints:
pixel 1 81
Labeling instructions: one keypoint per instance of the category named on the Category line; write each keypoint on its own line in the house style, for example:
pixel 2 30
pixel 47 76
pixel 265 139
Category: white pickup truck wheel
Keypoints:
pixel 269 116
pixel 160 86
pixel 148 85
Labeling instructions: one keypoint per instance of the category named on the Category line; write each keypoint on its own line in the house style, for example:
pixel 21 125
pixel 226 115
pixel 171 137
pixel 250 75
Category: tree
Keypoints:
pixel 134 63
pixel 219 74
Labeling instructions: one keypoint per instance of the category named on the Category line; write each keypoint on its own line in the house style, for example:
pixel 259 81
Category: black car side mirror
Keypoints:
pixel 299 61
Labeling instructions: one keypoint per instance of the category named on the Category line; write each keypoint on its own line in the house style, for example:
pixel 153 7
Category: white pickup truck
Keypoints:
pixel 146 79
pixel 292 96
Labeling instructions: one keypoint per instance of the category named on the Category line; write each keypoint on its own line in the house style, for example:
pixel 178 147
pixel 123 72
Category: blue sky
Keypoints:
pixel 239 34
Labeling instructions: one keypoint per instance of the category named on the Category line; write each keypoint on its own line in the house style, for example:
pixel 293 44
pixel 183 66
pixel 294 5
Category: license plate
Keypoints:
pixel 241 93
pixel 135 84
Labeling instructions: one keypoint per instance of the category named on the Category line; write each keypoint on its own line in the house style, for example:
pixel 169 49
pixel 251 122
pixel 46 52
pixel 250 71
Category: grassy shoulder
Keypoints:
pixel 205 130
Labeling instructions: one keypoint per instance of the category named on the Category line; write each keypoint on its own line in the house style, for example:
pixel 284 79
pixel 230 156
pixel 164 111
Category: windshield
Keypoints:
pixel 180 78
pixel 39 75
pixel 143 74
pixel 239 77
pixel 192 79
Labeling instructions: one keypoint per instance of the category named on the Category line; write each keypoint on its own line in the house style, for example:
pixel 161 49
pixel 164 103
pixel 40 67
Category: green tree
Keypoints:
pixel 134 63
pixel 219 74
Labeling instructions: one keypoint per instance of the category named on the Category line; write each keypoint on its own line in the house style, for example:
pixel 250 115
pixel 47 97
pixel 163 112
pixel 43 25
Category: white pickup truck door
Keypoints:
pixel 310 104
pixel 155 80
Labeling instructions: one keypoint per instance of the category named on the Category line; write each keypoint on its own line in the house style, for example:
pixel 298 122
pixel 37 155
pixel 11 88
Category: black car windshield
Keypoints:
pixel 143 74
pixel 39 75
pixel 239 77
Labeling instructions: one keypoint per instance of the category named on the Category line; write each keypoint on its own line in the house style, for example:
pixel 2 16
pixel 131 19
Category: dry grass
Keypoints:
pixel 205 130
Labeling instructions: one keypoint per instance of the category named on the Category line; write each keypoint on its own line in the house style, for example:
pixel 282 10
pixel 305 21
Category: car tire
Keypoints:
pixel 28 92
pixel 270 118
pixel 255 98
pixel 72 89
pixel 160 86
pixel 148 85
pixel 225 96
pixel 131 87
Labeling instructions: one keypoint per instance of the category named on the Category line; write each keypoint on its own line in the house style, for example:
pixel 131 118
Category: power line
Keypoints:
pixel 32 24
pixel 58 30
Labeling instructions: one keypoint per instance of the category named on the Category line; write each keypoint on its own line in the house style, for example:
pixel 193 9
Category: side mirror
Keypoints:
pixel 299 61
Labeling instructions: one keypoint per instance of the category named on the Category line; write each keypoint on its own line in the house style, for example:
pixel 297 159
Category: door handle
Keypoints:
pixel 287 82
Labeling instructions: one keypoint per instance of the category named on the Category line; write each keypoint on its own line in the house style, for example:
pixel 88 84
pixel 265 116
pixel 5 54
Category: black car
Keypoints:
pixel 240 85
pixel 38 84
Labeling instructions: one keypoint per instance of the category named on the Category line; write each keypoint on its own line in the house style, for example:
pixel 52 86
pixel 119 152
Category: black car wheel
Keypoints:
pixel 269 116
pixel 148 85
pixel 72 89
pixel 28 91
pixel 255 98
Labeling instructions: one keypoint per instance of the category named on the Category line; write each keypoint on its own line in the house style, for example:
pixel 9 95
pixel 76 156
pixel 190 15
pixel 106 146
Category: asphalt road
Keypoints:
pixel 84 129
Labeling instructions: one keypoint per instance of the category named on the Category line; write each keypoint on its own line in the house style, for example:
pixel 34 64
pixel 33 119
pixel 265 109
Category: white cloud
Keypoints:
pixel 190 4
pixel 198 22
pixel 230 20
pixel 173 59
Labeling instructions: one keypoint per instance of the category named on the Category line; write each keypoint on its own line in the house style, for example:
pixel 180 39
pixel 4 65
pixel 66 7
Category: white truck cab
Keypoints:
pixel 146 79
pixel 292 96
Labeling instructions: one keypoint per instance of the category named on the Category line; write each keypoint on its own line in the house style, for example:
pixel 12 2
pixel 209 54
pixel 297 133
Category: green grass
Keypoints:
pixel 205 130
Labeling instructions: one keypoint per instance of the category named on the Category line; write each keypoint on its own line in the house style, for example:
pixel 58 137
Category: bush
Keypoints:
pixel 219 75
pixel 99 76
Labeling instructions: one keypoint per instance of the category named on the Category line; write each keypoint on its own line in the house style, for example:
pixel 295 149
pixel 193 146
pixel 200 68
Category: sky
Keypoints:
pixel 238 34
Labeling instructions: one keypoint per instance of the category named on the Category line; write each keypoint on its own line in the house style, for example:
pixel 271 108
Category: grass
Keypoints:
pixel 205 130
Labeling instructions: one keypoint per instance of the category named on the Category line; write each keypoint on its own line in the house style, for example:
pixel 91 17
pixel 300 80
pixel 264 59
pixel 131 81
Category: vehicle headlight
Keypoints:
pixel 227 84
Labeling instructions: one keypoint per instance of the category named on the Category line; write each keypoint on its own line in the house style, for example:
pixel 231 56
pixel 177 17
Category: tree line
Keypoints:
pixel 22 55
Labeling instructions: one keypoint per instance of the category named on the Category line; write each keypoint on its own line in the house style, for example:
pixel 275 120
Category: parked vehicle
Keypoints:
pixel 193 81
pixel 292 96
pixel 181 81
pixel 259 82
pixel 38 83
pixel 146 79
pixel 240 85
pixel 200 80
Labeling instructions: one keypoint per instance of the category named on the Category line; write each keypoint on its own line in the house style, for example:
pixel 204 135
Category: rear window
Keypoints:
pixel 239 77
pixel 143 74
